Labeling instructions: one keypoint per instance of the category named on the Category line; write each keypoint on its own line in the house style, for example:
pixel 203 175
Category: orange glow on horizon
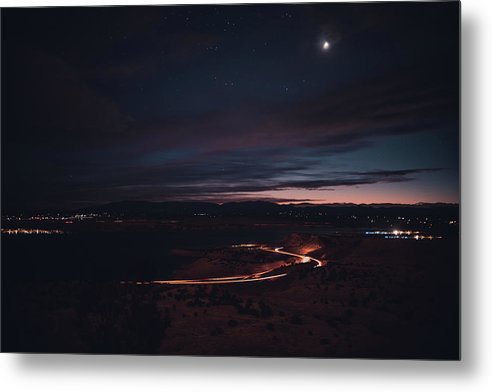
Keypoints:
pixel 364 194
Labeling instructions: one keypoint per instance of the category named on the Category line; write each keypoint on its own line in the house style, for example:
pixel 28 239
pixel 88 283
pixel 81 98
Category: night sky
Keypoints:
pixel 230 103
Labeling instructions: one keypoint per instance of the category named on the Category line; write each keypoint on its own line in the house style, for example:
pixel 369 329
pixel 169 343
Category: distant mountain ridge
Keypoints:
pixel 257 208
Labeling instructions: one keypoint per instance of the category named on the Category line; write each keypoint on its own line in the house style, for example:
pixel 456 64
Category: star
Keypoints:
pixel 326 45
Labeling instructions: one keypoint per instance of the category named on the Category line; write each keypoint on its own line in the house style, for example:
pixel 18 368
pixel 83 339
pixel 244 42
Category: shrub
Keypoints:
pixel 232 323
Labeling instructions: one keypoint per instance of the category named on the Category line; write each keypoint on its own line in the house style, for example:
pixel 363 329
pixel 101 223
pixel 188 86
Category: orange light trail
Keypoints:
pixel 258 276
pixel 218 280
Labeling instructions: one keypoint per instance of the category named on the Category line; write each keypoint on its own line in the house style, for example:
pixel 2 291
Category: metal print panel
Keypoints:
pixel 241 180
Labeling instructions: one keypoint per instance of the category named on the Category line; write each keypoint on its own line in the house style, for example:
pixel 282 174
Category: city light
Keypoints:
pixel 402 235
pixel 30 231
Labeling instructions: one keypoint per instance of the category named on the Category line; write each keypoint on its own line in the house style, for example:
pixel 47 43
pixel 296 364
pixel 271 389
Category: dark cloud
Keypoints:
pixel 218 103
pixel 346 118
pixel 203 183
pixel 389 105
pixel 51 101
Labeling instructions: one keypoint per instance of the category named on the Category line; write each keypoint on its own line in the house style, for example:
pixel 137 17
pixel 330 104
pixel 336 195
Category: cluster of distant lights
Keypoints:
pixel 57 217
pixel 30 231
pixel 245 246
pixel 403 235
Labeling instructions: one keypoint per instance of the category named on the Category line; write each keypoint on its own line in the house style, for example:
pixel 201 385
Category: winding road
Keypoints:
pixel 259 276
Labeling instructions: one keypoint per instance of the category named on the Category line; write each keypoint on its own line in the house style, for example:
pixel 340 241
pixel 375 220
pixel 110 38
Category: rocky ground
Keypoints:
pixel 374 298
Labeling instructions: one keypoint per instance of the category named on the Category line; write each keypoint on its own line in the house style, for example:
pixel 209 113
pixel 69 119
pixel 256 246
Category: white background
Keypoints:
pixel 130 373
